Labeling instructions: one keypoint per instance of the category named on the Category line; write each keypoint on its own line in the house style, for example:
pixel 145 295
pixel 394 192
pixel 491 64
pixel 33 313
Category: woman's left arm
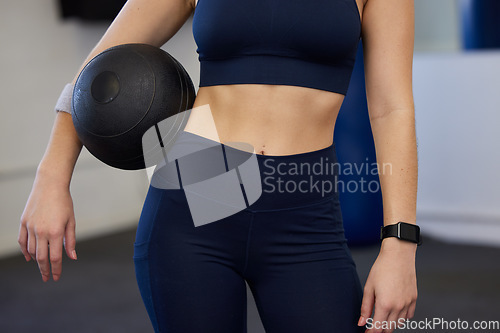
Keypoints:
pixel 388 35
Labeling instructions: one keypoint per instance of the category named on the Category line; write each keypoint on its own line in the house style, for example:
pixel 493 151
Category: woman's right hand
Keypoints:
pixel 48 218
pixel 48 224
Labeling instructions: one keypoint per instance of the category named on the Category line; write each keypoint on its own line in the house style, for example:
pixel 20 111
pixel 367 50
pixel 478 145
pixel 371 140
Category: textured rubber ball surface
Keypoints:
pixel 120 94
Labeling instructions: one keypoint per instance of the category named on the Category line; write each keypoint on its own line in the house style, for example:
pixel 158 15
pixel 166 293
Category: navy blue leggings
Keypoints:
pixel 289 246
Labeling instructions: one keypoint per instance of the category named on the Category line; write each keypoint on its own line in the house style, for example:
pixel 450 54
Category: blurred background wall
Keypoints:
pixel 456 101
pixel 40 54
pixel 457 118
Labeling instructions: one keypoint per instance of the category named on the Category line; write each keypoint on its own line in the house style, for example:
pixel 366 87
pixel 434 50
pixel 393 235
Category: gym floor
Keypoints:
pixel 99 293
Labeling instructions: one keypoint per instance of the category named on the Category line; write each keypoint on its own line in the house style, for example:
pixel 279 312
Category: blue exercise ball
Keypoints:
pixel 360 194
pixel 480 24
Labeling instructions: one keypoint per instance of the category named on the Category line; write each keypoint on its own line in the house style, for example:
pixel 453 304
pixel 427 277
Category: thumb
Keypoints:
pixel 366 306
pixel 70 239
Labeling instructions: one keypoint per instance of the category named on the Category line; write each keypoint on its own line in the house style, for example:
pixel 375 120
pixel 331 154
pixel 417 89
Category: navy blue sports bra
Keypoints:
pixel 307 43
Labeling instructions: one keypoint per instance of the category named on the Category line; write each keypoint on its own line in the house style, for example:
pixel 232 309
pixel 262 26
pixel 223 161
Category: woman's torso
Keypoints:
pixel 274 119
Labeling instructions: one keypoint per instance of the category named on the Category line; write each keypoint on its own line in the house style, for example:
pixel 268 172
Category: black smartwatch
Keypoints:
pixel 402 230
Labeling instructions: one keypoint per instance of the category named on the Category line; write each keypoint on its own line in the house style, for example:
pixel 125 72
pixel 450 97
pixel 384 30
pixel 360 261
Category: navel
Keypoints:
pixel 262 150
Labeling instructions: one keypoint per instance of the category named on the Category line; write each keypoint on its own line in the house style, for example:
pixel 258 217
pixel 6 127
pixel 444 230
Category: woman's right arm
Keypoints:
pixel 48 223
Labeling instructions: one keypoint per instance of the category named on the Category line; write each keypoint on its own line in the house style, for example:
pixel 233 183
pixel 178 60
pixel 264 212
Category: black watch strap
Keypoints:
pixel 402 230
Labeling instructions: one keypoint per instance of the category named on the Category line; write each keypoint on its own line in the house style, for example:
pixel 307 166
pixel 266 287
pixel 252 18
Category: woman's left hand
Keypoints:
pixel 391 287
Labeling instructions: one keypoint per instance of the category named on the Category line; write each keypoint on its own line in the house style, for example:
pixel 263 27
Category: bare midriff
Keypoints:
pixel 273 119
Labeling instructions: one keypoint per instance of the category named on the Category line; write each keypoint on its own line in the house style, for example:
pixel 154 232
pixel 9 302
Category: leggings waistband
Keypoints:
pixel 297 180
pixel 268 182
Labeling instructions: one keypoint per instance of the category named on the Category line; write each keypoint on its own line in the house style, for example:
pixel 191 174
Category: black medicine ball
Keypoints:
pixel 120 94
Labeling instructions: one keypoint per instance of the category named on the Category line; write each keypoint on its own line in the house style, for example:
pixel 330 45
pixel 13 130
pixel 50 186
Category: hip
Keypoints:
pixel 211 189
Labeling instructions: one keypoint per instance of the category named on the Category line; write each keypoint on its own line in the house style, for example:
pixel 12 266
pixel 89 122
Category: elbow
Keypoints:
pixel 377 113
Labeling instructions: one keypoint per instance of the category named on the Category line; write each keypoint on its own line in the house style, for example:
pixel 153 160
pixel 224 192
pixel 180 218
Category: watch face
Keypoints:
pixel 410 232
pixel 402 230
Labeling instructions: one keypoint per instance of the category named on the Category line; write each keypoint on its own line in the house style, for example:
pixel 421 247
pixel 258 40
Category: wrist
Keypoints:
pixel 398 246
pixel 47 173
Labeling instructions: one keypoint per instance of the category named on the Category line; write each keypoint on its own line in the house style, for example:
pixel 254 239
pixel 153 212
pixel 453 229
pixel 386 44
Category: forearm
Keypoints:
pixel 396 149
pixel 139 21
pixel 62 151
pixel 64 146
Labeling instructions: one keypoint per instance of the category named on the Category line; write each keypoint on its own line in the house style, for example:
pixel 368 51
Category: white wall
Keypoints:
pixel 458 115
pixel 39 54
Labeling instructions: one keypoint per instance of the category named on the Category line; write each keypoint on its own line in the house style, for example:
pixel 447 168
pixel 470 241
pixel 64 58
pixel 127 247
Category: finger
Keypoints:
pixel 366 306
pixel 32 244
pixel 392 321
pixel 23 241
pixel 55 255
pixel 403 316
pixel 42 257
pixel 411 310
pixel 70 239
pixel 380 316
